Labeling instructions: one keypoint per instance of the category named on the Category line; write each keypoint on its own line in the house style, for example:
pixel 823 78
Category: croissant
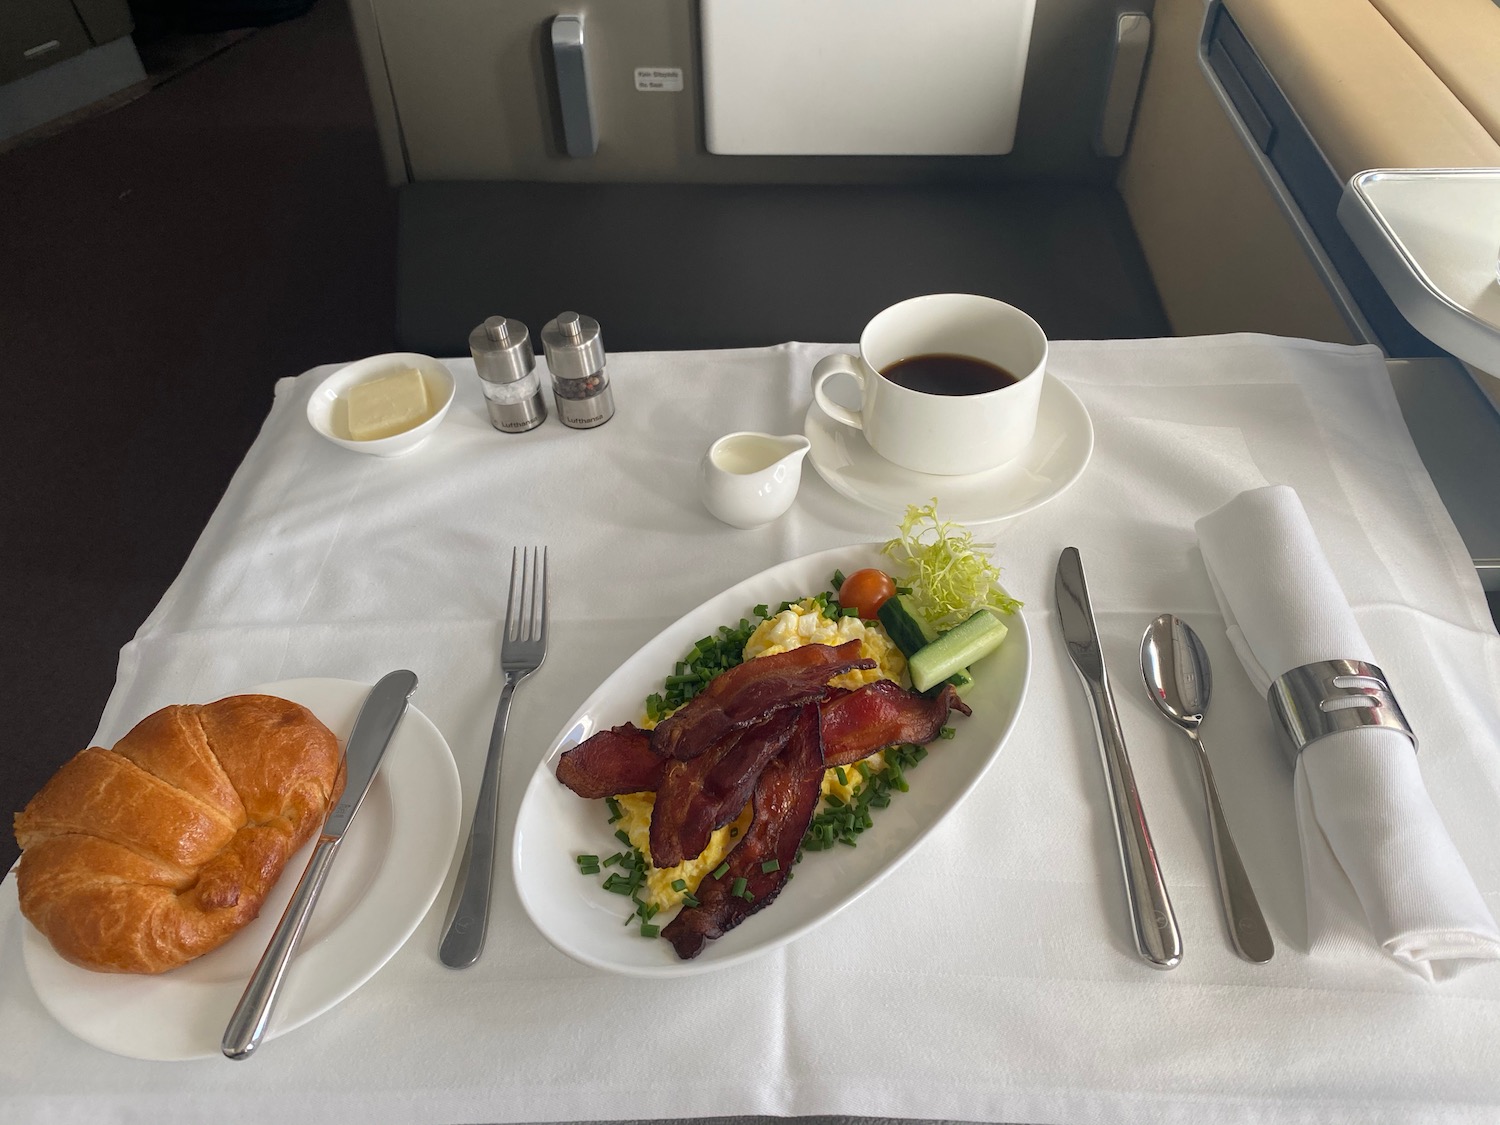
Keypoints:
pixel 140 858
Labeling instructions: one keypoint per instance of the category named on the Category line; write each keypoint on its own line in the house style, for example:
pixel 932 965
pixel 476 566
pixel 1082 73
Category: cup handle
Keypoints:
pixel 827 368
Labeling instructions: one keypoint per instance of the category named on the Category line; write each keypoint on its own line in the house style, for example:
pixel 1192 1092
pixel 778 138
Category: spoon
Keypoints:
pixel 1179 681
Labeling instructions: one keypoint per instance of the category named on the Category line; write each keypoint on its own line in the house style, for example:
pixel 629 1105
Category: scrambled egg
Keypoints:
pixel 636 821
pixel 801 624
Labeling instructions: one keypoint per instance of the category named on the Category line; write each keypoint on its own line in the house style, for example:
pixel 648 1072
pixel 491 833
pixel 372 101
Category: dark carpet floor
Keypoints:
pixel 163 265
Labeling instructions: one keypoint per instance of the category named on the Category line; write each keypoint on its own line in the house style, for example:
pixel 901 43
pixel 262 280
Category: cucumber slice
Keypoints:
pixel 911 634
pixel 905 628
pixel 977 637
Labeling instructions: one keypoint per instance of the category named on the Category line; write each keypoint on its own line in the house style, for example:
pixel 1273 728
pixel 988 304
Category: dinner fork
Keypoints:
pixel 523 647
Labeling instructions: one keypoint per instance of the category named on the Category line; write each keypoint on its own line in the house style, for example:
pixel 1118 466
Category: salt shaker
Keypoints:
pixel 507 370
pixel 580 385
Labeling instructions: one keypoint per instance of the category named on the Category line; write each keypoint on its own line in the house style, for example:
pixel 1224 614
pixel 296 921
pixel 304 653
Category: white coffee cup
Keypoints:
pixel 950 434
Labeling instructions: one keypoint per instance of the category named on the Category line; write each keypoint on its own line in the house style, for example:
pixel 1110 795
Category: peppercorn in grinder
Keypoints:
pixel 580 385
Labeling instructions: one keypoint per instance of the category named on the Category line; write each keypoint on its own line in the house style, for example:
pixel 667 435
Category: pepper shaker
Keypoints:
pixel 580 385
pixel 507 370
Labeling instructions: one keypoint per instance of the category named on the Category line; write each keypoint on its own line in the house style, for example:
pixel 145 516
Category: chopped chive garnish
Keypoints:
pixel 945 732
pixel 622 836
pixel 771 865
pixel 648 930
pixel 838 772
pixel 615 812
pixel 679 884
pixel 762 610
pixel 721 870
pixel 689 900
pixel 708 657
pixel 838 579
pixel 738 890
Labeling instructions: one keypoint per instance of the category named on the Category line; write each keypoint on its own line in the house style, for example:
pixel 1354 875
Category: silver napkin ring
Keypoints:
pixel 1329 696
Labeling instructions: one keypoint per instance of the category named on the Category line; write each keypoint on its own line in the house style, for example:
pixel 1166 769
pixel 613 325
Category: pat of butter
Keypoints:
pixel 387 406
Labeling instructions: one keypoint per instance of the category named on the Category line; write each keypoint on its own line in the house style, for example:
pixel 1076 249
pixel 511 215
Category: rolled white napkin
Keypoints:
pixel 1366 821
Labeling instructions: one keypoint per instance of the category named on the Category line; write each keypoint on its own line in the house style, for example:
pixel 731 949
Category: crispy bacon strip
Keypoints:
pixel 611 762
pixel 785 798
pixel 708 791
pixel 748 692
pixel 880 714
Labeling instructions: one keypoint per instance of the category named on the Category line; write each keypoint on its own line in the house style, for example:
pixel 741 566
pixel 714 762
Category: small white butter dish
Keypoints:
pixel 328 408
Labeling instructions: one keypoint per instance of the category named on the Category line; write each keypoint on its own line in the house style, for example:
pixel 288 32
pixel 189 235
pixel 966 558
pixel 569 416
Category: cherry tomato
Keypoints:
pixel 866 591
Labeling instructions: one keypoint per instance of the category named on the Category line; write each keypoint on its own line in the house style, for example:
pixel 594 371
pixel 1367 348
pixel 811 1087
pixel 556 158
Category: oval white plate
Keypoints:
pixel 389 869
pixel 1056 458
pixel 586 922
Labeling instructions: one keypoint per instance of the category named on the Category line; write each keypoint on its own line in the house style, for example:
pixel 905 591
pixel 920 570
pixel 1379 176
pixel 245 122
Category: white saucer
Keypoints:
pixel 1056 457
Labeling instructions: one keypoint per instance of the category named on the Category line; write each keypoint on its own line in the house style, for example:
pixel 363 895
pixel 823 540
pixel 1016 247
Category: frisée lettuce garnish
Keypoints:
pixel 947 576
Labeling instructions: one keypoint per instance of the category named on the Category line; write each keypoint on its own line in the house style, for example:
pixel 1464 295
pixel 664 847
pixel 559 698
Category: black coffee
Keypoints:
pixel 948 375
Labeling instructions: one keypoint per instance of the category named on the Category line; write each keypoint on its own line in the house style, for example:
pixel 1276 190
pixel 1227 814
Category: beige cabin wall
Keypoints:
pixel 1223 255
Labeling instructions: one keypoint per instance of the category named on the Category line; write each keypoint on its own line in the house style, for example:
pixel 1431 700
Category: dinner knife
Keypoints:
pixel 1153 924
pixel 378 718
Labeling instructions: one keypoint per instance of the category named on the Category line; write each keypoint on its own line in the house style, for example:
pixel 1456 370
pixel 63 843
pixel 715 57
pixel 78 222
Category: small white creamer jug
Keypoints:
pixel 748 479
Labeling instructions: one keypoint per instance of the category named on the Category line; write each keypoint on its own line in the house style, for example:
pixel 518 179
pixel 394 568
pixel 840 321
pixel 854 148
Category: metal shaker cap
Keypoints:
pixel 574 347
pixel 502 350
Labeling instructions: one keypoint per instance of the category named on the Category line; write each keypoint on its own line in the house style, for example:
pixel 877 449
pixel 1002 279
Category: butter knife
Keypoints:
pixel 1153 924
pixel 378 718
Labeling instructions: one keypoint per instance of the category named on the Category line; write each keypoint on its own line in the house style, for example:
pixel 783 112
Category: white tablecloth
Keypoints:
pixel 989 978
